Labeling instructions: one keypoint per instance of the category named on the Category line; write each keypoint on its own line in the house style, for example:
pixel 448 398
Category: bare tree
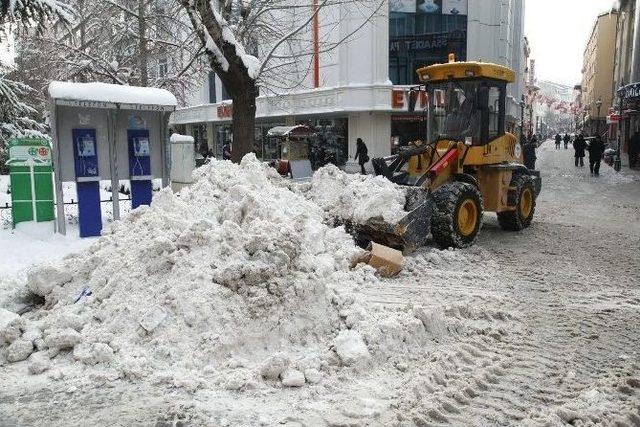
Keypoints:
pixel 271 45
pixel 137 42
pixel 32 13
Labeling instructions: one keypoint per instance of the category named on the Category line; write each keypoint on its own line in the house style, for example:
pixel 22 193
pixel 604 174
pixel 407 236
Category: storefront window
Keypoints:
pixel 406 129
pixel 199 136
pixel 421 39
pixel 329 144
pixel 224 135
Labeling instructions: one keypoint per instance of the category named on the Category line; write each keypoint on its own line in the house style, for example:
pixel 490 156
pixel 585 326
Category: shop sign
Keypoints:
pixel 225 111
pixel 24 153
pixel 426 42
pixel 399 99
pixel 630 91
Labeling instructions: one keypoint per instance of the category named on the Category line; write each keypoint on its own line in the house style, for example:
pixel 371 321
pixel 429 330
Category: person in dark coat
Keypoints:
pixel 596 150
pixel 579 146
pixel 529 152
pixel 226 151
pixel 362 155
pixel 566 140
pixel 204 150
pixel 558 140
pixel 634 150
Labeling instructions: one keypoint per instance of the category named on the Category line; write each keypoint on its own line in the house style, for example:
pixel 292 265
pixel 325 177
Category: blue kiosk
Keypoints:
pixel 107 132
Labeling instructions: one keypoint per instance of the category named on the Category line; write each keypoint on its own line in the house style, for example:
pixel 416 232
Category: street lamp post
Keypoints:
pixel 598 106
pixel 587 108
pixel 617 164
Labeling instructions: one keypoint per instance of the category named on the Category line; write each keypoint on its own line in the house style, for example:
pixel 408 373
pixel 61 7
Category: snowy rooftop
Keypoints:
pixel 104 92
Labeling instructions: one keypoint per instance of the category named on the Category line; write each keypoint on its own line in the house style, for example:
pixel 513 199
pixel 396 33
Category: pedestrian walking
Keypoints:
pixel 596 150
pixel 529 152
pixel 558 140
pixel 566 140
pixel 634 150
pixel 579 145
pixel 362 155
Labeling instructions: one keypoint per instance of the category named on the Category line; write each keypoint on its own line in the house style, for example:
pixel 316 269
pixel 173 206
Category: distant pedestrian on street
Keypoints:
pixel 596 150
pixel 579 145
pixel 362 155
pixel 529 152
pixel 566 140
pixel 634 149
pixel 558 140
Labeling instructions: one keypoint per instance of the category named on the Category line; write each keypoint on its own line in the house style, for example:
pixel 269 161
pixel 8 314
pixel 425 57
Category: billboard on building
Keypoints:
pixel 455 7
pixel 403 6
pixel 429 6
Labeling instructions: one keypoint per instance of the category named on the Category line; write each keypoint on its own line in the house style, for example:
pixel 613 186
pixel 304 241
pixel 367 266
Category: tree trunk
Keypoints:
pixel 243 124
pixel 143 51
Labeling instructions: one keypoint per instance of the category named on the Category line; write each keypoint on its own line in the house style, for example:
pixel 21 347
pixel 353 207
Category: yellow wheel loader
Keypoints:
pixel 467 164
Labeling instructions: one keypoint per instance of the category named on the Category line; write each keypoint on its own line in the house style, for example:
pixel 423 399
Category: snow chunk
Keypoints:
pixel 273 367
pixel 350 347
pixel 357 197
pixel 19 350
pixel 43 280
pixel 6 317
pixel 153 318
pixel 39 362
pixel 104 92
pixel 176 137
pixel 62 338
pixel 292 378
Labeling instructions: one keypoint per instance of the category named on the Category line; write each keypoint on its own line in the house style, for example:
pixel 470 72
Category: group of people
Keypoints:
pixel 595 147
pixel 560 139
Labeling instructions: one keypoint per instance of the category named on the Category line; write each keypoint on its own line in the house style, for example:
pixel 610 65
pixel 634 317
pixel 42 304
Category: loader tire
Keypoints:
pixel 457 217
pixel 523 197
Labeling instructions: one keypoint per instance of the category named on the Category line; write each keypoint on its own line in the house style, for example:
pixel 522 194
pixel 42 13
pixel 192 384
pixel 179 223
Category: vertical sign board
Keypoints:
pixel 30 174
pixel 85 156
pixel 139 167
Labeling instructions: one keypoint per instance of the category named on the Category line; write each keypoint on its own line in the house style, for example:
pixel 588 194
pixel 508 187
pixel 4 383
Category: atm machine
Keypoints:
pixel 85 155
pixel 140 167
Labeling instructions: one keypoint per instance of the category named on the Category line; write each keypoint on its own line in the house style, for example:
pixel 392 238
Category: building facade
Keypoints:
pixel 364 82
pixel 625 122
pixel 598 72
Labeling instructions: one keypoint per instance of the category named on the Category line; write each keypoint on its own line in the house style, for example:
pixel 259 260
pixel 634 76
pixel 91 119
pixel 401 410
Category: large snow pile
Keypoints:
pixel 238 278
pixel 357 197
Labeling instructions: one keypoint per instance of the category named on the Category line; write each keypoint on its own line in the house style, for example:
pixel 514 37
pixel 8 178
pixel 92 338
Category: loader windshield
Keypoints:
pixel 455 111
pixel 470 111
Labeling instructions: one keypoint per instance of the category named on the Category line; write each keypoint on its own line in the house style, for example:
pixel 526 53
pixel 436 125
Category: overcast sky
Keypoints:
pixel 558 31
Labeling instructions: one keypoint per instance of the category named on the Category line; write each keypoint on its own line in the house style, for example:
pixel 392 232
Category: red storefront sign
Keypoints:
pixel 225 111
pixel 399 98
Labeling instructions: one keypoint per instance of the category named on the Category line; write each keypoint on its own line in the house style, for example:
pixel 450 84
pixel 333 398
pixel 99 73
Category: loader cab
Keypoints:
pixel 467 101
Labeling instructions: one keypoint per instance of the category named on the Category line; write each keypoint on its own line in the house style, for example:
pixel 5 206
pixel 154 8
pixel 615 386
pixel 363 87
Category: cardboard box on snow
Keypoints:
pixel 387 261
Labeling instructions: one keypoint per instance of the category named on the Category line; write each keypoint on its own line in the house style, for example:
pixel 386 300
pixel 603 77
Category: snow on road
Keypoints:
pixel 533 328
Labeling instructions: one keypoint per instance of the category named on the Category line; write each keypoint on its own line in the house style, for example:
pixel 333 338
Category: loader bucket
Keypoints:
pixel 410 233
